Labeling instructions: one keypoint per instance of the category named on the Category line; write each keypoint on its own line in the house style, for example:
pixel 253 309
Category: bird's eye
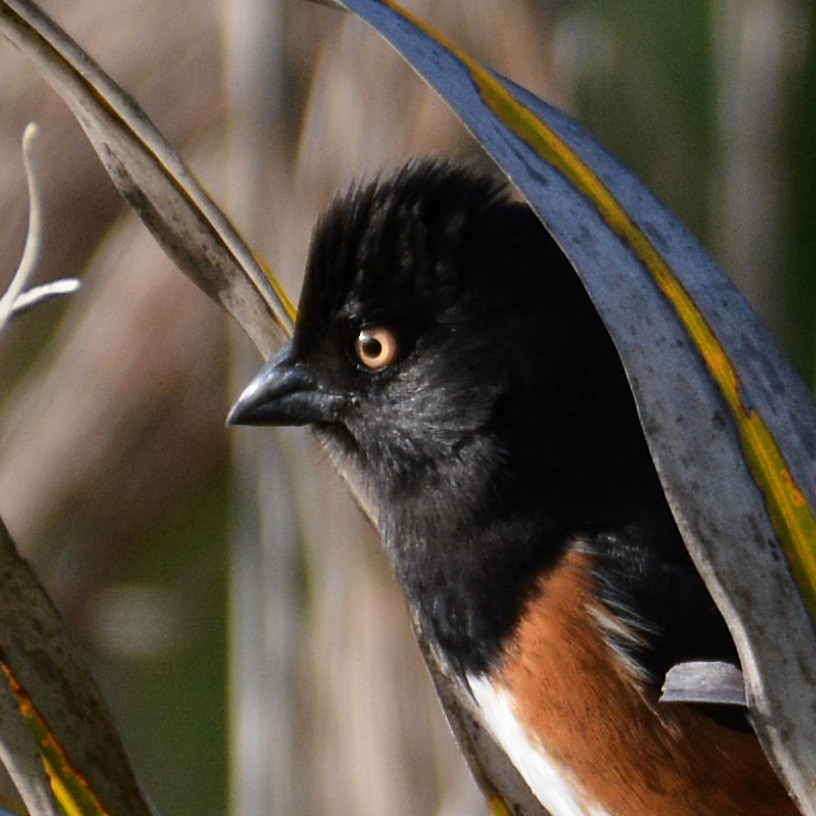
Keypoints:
pixel 376 347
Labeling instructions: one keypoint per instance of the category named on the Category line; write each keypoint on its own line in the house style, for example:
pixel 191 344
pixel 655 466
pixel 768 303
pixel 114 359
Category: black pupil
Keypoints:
pixel 371 347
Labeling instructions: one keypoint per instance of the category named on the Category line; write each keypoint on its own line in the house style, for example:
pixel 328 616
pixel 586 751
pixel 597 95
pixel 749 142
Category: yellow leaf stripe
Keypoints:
pixel 791 515
pixel 288 306
pixel 72 790
pixel 498 807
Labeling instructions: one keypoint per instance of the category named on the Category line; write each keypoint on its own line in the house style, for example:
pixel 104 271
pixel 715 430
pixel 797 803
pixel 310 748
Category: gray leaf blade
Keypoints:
pixel 143 166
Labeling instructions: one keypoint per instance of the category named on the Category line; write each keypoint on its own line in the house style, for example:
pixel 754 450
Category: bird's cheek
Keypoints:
pixel 356 427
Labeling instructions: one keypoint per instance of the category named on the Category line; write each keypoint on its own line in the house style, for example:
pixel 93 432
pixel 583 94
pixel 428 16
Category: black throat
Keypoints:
pixel 466 589
pixel 471 540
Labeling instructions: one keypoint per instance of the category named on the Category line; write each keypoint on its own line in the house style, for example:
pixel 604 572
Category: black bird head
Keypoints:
pixel 442 338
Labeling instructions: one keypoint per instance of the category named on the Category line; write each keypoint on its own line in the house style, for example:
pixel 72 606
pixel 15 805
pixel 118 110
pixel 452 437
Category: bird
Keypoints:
pixel 446 351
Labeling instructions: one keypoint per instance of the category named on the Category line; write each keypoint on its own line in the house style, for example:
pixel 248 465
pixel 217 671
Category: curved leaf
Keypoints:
pixel 731 428
pixel 56 728
pixel 146 170
pixel 21 758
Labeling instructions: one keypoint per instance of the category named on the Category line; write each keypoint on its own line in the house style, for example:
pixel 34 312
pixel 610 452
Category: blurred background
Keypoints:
pixel 233 604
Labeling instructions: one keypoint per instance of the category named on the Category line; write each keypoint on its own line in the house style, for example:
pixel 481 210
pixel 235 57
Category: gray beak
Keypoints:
pixel 284 393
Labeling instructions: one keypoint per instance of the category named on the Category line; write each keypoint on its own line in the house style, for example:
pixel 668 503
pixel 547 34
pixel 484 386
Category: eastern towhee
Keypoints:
pixel 445 347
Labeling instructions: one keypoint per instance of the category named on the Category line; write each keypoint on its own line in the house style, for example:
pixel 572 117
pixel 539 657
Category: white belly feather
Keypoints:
pixel 556 792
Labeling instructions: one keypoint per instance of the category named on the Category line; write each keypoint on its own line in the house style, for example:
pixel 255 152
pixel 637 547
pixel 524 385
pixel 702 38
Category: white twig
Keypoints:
pixel 39 294
pixel 31 252
pixel 16 299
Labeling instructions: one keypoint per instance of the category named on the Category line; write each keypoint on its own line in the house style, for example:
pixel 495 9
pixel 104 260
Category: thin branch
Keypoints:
pixel 16 298
pixel 40 294
pixel 33 244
